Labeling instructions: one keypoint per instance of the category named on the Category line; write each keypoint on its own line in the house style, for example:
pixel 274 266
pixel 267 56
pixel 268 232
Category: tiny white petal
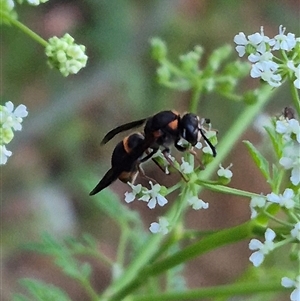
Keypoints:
pixel 256 258
pixel 154 227
pixel 255 244
pixel 270 234
pixel 161 200
pixel 152 203
pixel 287 282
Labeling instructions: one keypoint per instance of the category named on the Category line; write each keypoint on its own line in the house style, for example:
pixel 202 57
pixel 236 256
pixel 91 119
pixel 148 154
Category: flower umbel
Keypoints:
pixel 65 55
pixel 265 64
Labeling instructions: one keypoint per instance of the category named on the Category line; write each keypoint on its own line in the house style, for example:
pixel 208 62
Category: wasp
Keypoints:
pixel 125 161
pixel 166 128
pixel 161 130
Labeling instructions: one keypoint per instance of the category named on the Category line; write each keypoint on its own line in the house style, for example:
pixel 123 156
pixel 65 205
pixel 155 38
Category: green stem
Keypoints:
pixel 195 98
pixel 208 243
pixel 24 28
pixel 89 289
pixel 220 291
pixel 238 128
pixel 227 190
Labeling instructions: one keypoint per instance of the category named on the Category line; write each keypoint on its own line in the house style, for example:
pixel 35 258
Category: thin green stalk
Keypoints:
pixel 241 124
pixel 89 289
pixel 125 232
pixel 228 190
pixel 24 28
pixel 208 243
pixel 143 256
pixel 195 98
pixel 220 291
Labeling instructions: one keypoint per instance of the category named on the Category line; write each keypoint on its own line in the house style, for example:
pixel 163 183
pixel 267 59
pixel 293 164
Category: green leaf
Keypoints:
pixel 260 161
pixel 42 291
pixel 276 141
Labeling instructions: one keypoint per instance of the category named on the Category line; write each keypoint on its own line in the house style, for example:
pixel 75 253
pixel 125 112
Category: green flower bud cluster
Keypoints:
pixel 65 55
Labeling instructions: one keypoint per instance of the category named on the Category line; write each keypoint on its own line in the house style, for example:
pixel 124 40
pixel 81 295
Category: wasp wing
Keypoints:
pixel 122 128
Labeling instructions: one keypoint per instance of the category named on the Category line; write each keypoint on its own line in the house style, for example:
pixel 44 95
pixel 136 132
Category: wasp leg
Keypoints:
pixel 140 169
pixel 166 153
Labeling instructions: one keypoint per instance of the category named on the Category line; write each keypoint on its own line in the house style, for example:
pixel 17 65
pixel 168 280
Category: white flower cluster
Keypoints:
pixel 10 121
pixel 290 131
pixel 65 55
pixel 262 249
pixel 287 130
pixel 265 65
pixel 155 196
pixel 151 196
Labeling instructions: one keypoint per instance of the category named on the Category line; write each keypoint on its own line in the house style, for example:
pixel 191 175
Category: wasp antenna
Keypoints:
pixel 209 143
pixel 122 128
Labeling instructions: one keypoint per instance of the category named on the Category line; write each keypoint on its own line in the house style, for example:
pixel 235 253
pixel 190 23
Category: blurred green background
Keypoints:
pixel 57 158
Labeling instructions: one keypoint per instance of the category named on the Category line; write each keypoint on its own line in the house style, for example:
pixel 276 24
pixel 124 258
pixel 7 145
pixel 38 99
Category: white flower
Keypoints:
pixel 260 57
pixel 296 70
pixel 225 172
pixel 10 118
pixel 266 71
pixel 197 203
pixel 262 248
pixel 297 74
pixel 256 202
pixel 295 232
pixel 186 167
pixel 241 40
pixel 257 41
pixel 287 282
pixel 130 196
pixel 284 42
pixel 291 160
pixel 160 227
pixel 287 127
pixel 153 196
pixel 4 154
pixel 284 200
